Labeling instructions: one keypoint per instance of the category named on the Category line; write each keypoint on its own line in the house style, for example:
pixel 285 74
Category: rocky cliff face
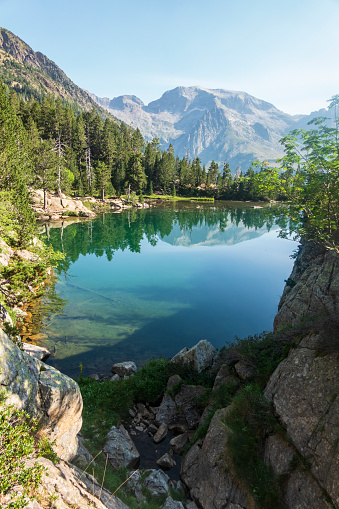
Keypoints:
pixel 312 289
pixel 304 393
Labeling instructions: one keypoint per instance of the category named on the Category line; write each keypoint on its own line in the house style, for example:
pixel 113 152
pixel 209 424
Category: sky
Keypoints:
pixel 281 51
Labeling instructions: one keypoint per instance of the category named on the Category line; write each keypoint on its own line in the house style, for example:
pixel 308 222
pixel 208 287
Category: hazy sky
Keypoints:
pixel 285 52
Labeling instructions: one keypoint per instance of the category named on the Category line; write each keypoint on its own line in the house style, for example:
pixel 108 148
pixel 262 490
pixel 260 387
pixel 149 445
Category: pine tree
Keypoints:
pixel 15 170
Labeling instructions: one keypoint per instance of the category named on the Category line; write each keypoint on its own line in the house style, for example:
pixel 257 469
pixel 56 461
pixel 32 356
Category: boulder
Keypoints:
pixel 161 433
pixel 186 402
pixel 157 482
pixel 178 443
pixel 200 355
pixel 304 392
pixel 166 462
pixel 43 392
pixel 181 413
pixel 166 410
pixel 207 474
pixel 173 504
pixel 134 485
pixel 120 448
pixel 39 352
pixel 124 368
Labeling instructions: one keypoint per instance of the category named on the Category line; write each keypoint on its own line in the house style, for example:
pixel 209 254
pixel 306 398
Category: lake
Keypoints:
pixel 145 283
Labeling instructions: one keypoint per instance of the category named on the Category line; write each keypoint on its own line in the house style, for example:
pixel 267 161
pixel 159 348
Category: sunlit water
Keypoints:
pixel 146 283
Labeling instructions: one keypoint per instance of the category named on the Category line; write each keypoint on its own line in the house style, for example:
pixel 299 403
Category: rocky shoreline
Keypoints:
pixel 61 207
pixel 292 406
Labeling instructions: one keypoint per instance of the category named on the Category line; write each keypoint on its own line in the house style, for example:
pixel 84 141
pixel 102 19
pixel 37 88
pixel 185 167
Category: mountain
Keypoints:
pixel 211 124
pixel 32 74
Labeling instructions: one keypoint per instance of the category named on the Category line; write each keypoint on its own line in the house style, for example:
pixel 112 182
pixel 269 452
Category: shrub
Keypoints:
pixel 249 421
pixel 17 446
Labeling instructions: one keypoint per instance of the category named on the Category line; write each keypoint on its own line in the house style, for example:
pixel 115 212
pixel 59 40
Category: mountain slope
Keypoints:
pixel 212 124
pixel 32 74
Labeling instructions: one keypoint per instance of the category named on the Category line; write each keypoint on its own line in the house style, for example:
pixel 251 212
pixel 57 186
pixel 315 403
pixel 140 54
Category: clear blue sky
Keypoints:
pixel 282 51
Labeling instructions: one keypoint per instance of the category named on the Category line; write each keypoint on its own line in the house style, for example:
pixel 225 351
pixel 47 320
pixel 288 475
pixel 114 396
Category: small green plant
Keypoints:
pixel 17 446
pixel 70 213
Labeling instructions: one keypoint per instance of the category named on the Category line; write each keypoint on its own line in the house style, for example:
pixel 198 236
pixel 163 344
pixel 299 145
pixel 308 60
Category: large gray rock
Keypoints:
pixel 161 433
pixel 43 392
pixel 207 475
pixel 304 392
pixel 166 462
pixel 124 368
pixel 120 448
pixel 157 482
pixel 178 443
pixel 200 355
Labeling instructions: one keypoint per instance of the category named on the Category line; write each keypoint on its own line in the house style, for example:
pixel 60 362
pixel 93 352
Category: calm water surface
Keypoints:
pixel 146 283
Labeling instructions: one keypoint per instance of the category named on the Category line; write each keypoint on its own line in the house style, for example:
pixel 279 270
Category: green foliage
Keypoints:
pixel 264 351
pixel 17 445
pixel 23 280
pixel 133 199
pixel 249 421
pixel 69 213
pixel 315 189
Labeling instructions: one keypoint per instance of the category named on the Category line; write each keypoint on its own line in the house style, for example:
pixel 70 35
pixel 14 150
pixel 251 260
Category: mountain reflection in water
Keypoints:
pixel 148 282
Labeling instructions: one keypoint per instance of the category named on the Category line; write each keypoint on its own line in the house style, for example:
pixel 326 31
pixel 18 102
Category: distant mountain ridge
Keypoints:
pixel 210 124
pixel 31 73
pixel 220 125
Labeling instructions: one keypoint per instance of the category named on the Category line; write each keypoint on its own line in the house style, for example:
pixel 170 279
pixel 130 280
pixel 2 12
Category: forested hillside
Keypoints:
pixel 32 75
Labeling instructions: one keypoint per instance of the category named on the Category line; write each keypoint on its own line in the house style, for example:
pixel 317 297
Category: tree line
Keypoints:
pixel 81 152
pixel 51 146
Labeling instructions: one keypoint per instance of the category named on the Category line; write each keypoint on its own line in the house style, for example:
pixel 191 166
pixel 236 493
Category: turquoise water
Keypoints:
pixel 146 283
